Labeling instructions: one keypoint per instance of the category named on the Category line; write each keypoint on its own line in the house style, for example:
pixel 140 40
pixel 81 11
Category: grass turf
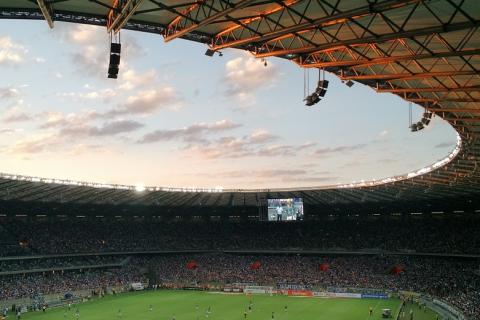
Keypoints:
pixel 181 305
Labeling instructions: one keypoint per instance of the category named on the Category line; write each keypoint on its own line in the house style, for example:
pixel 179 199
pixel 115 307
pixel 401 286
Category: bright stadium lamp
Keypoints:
pixel 140 188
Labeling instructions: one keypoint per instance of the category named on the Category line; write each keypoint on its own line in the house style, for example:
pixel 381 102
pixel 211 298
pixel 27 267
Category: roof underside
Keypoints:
pixel 427 52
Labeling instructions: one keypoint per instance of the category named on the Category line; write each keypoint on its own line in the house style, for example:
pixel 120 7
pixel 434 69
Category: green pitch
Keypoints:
pixel 182 305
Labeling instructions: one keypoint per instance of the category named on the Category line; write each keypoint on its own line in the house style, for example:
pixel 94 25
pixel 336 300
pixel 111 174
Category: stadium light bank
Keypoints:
pixel 409 175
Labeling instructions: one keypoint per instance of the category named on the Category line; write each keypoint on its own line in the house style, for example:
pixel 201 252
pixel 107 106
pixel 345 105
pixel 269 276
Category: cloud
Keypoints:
pixel 35 143
pixel 16 114
pixel 78 125
pixel 284 175
pixel 444 145
pixel 260 173
pixel 90 48
pixel 310 179
pixel 262 136
pixel 11 53
pixel 384 133
pixel 276 150
pixel 243 147
pixel 190 133
pixel 275 173
pixel 83 148
pixel 106 129
pixel 245 75
pixel 7 130
pixel 283 150
pixel 105 95
pixel 55 119
pixel 91 61
pixel 8 92
pixel 70 127
pixel 130 79
pixel 340 149
pixel 147 102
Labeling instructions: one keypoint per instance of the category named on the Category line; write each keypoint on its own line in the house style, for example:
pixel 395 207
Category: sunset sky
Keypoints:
pixel 176 117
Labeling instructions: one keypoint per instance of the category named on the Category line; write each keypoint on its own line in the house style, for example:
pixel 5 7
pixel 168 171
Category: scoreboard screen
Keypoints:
pixel 285 209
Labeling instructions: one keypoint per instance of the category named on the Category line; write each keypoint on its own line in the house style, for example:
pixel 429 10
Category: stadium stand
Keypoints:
pixel 428 235
pixel 435 256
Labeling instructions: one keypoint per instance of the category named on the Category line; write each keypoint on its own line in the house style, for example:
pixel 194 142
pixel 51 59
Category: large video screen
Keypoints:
pixel 285 209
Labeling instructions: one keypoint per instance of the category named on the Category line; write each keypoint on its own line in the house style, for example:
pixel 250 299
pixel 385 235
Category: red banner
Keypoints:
pixel 192 265
pixel 256 265
pixel 324 267
pixel 397 269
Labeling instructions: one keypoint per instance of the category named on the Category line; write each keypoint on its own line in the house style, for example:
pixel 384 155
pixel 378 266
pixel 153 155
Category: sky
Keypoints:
pixel 177 118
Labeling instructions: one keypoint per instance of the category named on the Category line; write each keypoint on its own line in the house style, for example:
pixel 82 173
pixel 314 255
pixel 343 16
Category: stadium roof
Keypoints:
pixel 427 52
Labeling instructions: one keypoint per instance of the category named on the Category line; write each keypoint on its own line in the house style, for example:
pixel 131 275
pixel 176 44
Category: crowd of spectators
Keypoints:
pixel 445 235
pixel 456 281
pixel 57 262
pixel 32 285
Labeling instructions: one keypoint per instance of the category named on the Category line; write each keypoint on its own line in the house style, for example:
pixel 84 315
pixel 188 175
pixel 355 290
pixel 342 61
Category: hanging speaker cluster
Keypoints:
pixel 114 63
pixel 318 94
pixel 420 125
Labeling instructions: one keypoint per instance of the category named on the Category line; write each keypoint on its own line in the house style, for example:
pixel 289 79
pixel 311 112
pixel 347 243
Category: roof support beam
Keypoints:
pixel 408 76
pixel 221 41
pixel 371 39
pixel 437 89
pixel 421 100
pixel 116 21
pixel 47 11
pixel 203 12
pixel 462 119
pixel 378 61
pixel 454 110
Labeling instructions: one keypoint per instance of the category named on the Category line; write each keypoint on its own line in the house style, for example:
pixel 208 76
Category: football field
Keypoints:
pixel 193 305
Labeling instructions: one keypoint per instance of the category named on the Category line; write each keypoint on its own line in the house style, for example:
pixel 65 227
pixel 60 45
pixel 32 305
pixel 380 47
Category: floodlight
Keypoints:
pixel 140 188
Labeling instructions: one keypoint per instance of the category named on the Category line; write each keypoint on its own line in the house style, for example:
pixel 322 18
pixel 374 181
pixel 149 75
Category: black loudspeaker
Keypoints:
pixel 321 92
pixel 113 72
pixel 113 66
pixel 115 48
pixel 210 53
pixel 322 84
pixel 114 59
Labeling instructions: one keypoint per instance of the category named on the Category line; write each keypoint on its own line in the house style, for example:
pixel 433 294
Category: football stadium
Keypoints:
pixel 240 159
